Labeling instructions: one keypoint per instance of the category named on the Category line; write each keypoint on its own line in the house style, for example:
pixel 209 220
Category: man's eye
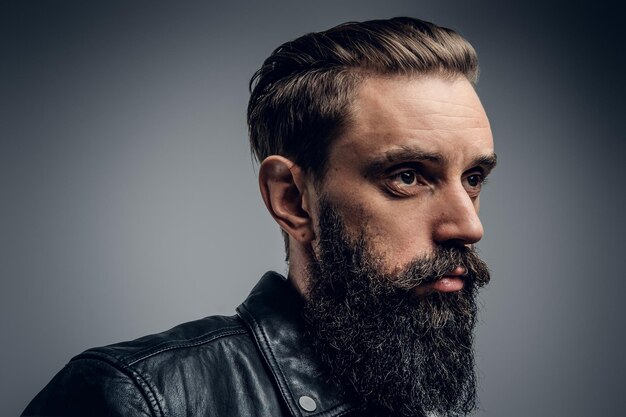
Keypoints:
pixel 407 177
pixel 404 183
pixel 474 182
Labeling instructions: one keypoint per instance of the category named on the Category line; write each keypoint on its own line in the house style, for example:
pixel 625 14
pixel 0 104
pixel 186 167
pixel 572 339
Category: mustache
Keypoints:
pixel 442 261
pixel 337 248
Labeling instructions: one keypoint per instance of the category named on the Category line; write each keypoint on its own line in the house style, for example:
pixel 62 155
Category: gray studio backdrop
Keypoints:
pixel 129 199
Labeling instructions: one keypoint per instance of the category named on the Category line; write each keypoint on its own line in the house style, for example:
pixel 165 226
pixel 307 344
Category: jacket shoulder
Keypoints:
pixel 91 387
pixel 161 374
pixel 177 340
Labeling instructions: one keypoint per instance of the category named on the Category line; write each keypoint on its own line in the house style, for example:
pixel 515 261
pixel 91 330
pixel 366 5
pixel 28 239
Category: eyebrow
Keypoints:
pixel 379 163
pixel 487 162
pixel 409 154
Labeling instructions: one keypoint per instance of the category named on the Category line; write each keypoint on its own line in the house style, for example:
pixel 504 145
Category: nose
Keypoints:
pixel 457 222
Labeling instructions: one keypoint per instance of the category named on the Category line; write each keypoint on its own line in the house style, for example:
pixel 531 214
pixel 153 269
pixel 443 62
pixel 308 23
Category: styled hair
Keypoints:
pixel 300 97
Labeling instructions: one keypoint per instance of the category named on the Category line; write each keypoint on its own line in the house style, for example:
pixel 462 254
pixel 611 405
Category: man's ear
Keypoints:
pixel 285 193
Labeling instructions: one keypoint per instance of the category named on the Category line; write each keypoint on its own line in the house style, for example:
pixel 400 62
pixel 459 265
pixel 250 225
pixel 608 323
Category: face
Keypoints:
pixel 409 168
pixel 391 289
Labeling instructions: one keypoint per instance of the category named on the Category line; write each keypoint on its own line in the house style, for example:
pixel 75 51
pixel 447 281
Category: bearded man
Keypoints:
pixel 374 148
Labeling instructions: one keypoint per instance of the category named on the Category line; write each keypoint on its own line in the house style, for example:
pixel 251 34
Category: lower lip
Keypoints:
pixel 444 284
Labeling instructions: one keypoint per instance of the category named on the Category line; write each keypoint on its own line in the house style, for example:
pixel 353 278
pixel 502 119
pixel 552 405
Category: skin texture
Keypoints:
pixel 408 170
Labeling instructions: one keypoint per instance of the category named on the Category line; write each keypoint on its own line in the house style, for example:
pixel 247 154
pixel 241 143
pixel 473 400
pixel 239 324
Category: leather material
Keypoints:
pixel 253 364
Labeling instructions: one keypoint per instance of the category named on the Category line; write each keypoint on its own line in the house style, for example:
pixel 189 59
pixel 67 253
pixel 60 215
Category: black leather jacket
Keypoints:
pixel 252 364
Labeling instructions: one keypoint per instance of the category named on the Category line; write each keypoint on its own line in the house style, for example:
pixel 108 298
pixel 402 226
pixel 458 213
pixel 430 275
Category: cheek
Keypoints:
pixel 397 239
pixel 396 231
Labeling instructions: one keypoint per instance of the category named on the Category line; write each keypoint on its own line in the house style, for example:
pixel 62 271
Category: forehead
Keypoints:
pixel 430 113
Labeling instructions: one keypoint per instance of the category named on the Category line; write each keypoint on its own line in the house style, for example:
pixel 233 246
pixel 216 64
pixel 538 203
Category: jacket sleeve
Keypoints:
pixel 93 387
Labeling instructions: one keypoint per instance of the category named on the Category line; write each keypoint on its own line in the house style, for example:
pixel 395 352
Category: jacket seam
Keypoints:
pixel 220 334
pixel 146 352
pixel 330 412
pixel 146 390
pixel 282 385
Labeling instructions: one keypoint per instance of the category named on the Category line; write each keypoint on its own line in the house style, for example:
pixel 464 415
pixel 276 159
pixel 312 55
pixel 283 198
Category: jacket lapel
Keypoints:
pixel 272 312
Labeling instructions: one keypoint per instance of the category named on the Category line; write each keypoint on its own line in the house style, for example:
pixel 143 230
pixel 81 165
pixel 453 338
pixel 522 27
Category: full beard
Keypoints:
pixel 405 355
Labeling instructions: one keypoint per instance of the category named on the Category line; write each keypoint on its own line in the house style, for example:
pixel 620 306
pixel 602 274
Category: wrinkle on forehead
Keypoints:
pixel 430 114
pixel 427 97
pixel 408 107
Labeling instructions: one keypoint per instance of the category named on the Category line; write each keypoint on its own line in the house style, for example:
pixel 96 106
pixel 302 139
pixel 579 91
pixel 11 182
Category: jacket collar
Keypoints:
pixel 272 311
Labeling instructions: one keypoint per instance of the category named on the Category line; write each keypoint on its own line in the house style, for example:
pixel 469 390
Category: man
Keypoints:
pixel 374 148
